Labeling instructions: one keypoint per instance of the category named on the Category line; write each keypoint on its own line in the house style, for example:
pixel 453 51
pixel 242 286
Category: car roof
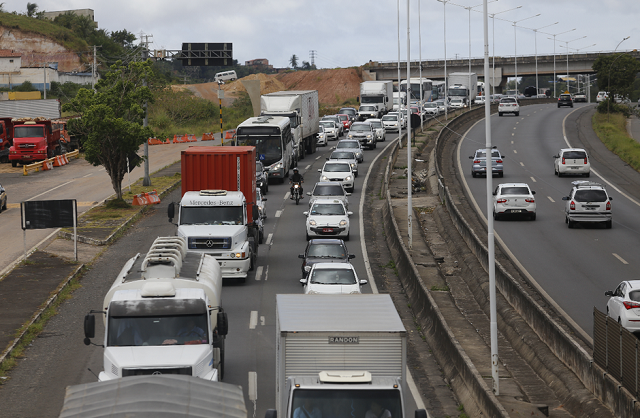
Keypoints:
pixel 325 201
pixel 372 120
pixel 334 266
pixel 328 183
pixel 572 149
pixel 326 241
pixel 513 185
pixel 583 184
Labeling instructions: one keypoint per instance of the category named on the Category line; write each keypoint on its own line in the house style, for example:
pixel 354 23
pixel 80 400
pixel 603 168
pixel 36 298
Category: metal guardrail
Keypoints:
pixel 44 164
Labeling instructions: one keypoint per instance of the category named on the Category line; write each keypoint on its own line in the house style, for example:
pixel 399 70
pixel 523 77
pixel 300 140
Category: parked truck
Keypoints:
pixel 378 93
pixel 46 108
pixel 163 315
pixel 459 86
pixel 217 214
pixel 338 353
pixel 34 139
pixel 302 109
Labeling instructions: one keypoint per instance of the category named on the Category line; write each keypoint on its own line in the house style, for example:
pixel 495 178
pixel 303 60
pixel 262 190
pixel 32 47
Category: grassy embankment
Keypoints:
pixel 615 137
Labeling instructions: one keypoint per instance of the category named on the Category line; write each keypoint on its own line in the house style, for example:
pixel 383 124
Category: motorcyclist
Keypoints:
pixel 296 177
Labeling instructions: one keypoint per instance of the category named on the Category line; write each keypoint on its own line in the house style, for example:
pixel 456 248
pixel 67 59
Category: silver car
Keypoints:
pixel 363 132
pixel 351 145
pixel 338 122
pixel 378 128
pixel 331 130
pixel 588 202
pixel 345 156
pixel 329 190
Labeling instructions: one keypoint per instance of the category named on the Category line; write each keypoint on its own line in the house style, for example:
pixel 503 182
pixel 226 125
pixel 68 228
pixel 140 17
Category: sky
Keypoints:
pixel 350 33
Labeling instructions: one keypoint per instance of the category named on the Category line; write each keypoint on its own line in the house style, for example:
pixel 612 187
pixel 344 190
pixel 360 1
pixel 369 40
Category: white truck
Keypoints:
pixel 378 93
pixel 46 108
pixel 399 100
pixel 302 108
pixel 459 86
pixel 338 353
pixel 163 315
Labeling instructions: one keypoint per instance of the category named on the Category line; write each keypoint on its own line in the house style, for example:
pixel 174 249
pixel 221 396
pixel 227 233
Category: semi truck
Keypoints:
pixel 217 214
pixel 459 86
pixel 378 93
pixel 34 139
pixel 339 353
pixel 302 109
pixel 46 108
pixel 163 315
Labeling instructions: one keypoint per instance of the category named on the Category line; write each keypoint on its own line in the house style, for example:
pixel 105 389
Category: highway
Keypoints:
pixel 573 266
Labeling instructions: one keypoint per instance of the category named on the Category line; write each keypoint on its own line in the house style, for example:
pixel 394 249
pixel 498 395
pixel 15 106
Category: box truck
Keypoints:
pixel 459 86
pixel 378 93
pixel 302 109
pixel 217 214
pixel 339 353
pixel 163 315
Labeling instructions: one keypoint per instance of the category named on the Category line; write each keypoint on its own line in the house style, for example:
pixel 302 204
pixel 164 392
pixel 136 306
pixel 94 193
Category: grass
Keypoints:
pixel 614 136
pixel 60 34
pixel 439 288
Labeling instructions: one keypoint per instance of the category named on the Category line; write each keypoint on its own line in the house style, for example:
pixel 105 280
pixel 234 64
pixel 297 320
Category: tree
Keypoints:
pixel 32 9
pixel 616 72
pixel 294 61
pixel 111 118
pixel 123 38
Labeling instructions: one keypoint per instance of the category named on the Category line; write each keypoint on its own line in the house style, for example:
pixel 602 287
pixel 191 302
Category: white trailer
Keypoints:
pixel 339 351
pixel 378 93
pixel 459 86
pixel 48 108
pixel 163 315
pixel 302 108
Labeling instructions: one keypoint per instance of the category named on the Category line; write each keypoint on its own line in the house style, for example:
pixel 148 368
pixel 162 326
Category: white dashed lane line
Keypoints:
pixel 533 179
pixel 552 201
pixel 259 272
pixel 279 213
pixel 622 260
pixel 253 320
pixel 269 238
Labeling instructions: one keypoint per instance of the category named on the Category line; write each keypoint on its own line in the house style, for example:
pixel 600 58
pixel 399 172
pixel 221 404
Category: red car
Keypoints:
pixel 346 122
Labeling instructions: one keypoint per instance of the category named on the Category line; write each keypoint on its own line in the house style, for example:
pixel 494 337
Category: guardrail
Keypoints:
pixel 50 163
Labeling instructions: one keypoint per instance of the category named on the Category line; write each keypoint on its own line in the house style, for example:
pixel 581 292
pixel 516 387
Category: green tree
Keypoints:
pixel 617 71
pixel 111 118
pixel 294 61
pixel 32 9
pixel 123 38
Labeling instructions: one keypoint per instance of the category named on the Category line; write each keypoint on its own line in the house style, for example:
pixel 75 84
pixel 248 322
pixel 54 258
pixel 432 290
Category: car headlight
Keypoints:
pixel 348 178
pixel 368 135
pixel 312 222
pixel 324 178
pixel 353 165
pixel 350 136
pixel 343 222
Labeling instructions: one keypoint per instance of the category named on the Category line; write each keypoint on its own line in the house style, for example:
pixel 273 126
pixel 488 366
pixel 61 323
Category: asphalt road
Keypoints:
pixel 574 266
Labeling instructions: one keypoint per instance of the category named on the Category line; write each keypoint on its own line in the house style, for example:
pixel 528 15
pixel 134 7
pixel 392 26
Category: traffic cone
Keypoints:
pixel 47 165
pixel 152 198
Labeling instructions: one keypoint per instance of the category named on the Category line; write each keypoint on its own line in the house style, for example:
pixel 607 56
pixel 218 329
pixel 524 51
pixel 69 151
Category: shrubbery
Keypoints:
pixel 612 107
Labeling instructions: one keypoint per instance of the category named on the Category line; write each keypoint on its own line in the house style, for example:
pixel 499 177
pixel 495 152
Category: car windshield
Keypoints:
pixel 327 124
pixel 331 276
pixel 367 108
pixel 347 144
pixel 330 190
pixel 514 190
pixel 483 154
pixel 326 251
pixel 343 155
pixel 508 100
pixel 361 128
pixel 590 196
pixel 343 117
pixel 390 117
pixel 376 123
pixel 430 105
pixel 335 168
pixel 348 111
pixel 574 155
pixel 327 209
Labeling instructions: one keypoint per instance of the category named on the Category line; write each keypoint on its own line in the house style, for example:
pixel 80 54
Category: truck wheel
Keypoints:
pixel 14 163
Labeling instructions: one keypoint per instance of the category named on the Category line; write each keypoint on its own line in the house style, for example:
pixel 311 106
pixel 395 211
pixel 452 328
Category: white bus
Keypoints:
pixel 272 137
pixel 415 89
pixel 437 90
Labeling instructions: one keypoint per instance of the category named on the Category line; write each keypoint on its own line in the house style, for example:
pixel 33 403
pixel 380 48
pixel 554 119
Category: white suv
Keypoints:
pixel 572 161
pixel 588 201
pixel 508 105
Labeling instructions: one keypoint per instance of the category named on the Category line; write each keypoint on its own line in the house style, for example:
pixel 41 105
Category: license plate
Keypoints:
pixel 327 229
pixel 588 208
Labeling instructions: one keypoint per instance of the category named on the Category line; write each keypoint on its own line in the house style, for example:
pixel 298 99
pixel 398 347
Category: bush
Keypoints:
pixel 608 106
pixel 26 86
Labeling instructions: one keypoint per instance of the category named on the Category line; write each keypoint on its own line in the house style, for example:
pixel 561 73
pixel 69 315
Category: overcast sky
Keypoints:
pixel 351 32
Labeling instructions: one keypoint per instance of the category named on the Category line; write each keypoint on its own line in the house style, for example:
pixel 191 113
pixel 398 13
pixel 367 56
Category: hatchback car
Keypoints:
pixel 402 117
pixel 588 201
pixel 602 95
pixel 508 105
pixel 337 121
pixel 328 218
pixel 580 97
pixel 431 109
pixel 262 178
pixel 346 121
pixel 331 131
pixel 324 250
pixel 345 156
pixel 565 100
pixel 321 139
pixel 351 111
pixel 514 199
pixel 332 278
pixel 338 171
pixel 363 132
pixel 352 145
pixel 378 128
pixel 329 190
pixel 391 123
pixel 479 168
pixel 572 161
pixel 624 305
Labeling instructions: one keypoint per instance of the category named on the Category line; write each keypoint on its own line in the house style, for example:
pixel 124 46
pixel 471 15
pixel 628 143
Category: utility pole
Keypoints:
pixel 312 55
pixel 44 85
pixel 147 180
pixel 93 70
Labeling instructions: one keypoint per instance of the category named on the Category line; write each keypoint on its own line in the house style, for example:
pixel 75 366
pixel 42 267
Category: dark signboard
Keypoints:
pixel 206 54
pixel 43 214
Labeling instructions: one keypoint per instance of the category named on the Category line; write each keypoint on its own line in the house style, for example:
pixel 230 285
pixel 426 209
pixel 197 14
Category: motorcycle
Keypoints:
pixel 296 192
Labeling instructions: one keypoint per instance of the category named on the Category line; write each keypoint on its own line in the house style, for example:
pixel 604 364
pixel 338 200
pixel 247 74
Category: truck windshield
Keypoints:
pixel 345 403
pixel 458 92
pixel 28 132
pixel 211 215
pixel 268 148
pixel 371 99
pixel 124 331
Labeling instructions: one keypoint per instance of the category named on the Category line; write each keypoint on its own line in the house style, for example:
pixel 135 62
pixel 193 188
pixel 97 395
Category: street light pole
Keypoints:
pixel 446 88
pixel 554 56
pixel 420 103
pixel 409 182
pixel 567 46
pixel 515 45
pixel 493 47
pixel 535 38
pixel 399 79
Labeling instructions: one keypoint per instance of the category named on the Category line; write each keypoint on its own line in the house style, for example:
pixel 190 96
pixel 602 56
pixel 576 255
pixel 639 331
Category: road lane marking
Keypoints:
pixel 552 201
pixel 521 163
pixel 308 167
pixel 318 157
pixel 253 320
pixel 515 151
pixel 266 273
pixel 50 190
pixel 511 142
pixel 253 387
pixel 533 180
pixel 287 195
pixel 622 260
pixel 88 175
pixel 262 322
pixel 269 238
pixel 259 272
pixel 279 213
pixel 513 134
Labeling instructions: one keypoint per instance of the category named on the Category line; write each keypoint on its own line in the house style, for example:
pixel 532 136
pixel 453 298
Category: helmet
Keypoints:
pixel 295 170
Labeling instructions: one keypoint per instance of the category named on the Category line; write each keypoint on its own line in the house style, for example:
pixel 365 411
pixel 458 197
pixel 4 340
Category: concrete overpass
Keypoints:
pixel 505 67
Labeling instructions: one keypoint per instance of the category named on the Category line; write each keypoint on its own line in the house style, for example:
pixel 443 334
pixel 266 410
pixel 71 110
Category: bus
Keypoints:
pixel 415 89
pixel 272 137
pixel 437 90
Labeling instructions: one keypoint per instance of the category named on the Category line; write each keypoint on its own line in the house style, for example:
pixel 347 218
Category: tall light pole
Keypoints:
pixel 446 88
pixel 409 183
pixel 420 103
pixel 399 78
pixel 577 50
pixel 493 47
pixel 535 38
pixel 554 56
pixel 515 45
pixel 567 46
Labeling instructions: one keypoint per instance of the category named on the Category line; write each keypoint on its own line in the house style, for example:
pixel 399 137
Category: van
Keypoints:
pixel 226 76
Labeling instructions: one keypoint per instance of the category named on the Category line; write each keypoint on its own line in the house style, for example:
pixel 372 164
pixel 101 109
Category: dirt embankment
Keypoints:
pixel 334 86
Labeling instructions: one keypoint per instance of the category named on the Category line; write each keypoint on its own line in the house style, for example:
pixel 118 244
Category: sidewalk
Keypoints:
pixel 633 127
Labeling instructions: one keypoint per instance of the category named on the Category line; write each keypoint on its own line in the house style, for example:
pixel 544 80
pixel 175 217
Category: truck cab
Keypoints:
pixel 34 139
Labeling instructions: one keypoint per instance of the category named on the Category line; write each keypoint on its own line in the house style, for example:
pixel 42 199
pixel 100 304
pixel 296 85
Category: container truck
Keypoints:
pixel 302 109
pixel 339 352
pixel 217 214
pixel 46 108
pixel 459 86
pixel 34 139
pixel 163 315
pixel 378 93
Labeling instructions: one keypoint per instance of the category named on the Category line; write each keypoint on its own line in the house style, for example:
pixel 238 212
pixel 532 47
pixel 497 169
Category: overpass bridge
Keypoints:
pixel 505 67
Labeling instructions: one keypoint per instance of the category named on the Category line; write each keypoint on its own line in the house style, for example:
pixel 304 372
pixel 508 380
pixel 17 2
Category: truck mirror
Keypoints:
pixel 89 328
pixel 271 413
pixel 255 213
pixel 420 413
pixel 171 211
pixel 223 323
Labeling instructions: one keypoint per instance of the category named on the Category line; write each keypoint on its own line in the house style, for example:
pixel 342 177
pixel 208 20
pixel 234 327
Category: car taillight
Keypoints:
pixel 499 161
pixel 572 205
pixel 609 205
pixel 476 161
pixel 585 160
pixel 631 305
pixel 529 200
pixel 562 160
pixel 501 201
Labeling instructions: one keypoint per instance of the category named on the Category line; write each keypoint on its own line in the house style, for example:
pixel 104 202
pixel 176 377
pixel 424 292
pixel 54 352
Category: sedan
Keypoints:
pixel 391 122
pixel 363 132
pixel 328 218
pixel 329 190
pixel 378 128
pixel 338 171
pixel 345 156
pixel 324 250
pixel 580 97
pixel 508 105
pixel 338 122
pixel 514 199
pixel 624 305
pixel 351 145
pixel 331 131
pixel 333 279
pixel 479 168
pixel 432 109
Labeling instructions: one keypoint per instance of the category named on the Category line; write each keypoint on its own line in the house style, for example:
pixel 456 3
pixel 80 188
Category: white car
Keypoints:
pixel 457 103
pixel 378 128
pixel 368 111
pixel 336 119
pixel 402 116
pixel 432 109
pixel 338 171
pixel 602 95
pixel 328 218
pixel 588 201
pixel 330 129
pixel 391 122
pixel 624 305
pixel 508 105
pixel 351 145
pixel 345 156
pixel 514 199
pixel 322 137
pixel 572 161
pixel 332 278
pixel 261 204
pixel 329 190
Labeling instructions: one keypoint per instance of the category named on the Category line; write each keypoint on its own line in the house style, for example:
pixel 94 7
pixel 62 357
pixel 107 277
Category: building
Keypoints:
pixel 258 62
pixel 80 12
